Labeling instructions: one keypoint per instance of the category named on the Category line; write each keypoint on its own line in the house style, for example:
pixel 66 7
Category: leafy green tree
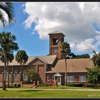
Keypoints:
pixel 6 7
pixel 72 56
pixel 93 75
pixel 85 55
pixel 21 57
pixel 65 50
pixel 7 44
pixel 32 74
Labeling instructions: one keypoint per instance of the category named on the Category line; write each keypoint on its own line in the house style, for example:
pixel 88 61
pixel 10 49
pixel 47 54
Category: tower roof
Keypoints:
pixel 56 32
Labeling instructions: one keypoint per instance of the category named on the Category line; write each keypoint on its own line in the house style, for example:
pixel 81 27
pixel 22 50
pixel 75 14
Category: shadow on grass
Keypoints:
pixel 29 90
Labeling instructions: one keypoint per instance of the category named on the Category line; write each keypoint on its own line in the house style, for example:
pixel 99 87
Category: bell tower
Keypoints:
pixel 55 39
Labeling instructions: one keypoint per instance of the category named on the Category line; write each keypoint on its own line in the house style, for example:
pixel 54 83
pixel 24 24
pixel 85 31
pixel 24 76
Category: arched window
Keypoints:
pixel 6 75
pixel 15 75
pixel 24 75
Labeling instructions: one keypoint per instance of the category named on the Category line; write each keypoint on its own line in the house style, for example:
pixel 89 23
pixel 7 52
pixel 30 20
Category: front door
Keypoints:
pixel 59 80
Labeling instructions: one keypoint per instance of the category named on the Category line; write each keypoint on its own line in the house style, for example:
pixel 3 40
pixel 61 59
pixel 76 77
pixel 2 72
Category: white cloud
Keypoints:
pixel 98 32
pixel 83 45
pixel 74 19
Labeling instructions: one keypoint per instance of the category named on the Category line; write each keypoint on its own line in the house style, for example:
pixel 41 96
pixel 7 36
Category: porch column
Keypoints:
pixel 12 76
pixel 20 79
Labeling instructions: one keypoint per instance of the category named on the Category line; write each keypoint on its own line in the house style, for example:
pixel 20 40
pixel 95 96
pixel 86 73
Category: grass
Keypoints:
pixel 60 87
pixel 48 94
pixel 26 92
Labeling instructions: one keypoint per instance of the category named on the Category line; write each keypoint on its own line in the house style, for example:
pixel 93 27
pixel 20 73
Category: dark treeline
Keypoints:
pixel 73 56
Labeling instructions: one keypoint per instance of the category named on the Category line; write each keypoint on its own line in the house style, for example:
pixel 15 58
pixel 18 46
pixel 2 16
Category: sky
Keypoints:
pixel 79 21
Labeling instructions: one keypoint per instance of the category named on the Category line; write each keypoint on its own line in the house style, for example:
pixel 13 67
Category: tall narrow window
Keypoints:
pixel 24 75
pixel 15 75
pixel 6 75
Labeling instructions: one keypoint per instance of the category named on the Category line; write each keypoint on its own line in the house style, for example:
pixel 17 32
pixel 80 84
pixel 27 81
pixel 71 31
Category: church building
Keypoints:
pixel 49 67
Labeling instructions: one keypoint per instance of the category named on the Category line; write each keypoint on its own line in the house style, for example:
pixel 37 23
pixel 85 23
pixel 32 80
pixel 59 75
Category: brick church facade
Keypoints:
pixel 49 67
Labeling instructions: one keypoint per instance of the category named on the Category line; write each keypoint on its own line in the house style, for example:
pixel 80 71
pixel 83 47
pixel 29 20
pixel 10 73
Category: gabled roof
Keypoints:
pixel 46 59
pixel 49 59
pixel 37 57
pixel 57 74
pixel 73 65
pixel 56 32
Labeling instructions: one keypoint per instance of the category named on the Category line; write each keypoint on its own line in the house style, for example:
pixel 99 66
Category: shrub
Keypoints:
pixel 75 84
pixel 16 85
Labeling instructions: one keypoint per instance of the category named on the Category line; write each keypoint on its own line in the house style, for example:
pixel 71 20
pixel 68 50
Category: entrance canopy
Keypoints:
pixel 57 74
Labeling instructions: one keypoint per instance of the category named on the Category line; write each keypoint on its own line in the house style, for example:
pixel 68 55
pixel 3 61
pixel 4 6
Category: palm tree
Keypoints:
pixel 65 50
pixel 21 57
pixel 6 8
pixel 7 45
pixel 96 58
pixel 10 57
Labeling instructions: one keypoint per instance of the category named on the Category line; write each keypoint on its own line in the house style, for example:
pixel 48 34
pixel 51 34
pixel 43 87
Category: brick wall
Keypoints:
pixel 76 77
pixel 40 67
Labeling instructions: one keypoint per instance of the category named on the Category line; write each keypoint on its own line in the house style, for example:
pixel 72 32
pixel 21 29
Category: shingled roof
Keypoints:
pixel 73 65
pixel 46 59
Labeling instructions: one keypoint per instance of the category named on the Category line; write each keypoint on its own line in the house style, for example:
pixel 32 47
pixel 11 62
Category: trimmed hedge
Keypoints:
pixel 75 84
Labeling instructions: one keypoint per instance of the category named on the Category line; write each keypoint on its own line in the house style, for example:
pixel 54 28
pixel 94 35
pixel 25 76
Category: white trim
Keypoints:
pixel 48 78
pixel 59 80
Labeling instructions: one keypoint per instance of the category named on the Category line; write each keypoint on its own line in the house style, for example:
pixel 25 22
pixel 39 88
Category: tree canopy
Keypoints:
pixel 21 57
pixel 72 56
pixel 65 49
pixel 32 74
pixel 96 58
pixel 93 75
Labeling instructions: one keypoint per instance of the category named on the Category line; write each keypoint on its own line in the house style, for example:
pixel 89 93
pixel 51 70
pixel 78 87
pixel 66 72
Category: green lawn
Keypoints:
pixel 42 92
pixel 49 94
pixel 60 87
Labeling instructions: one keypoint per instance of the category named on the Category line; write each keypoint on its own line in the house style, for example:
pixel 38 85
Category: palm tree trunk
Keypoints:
pixel 21 75
pixel 8 72
pixel 4 74
pixel 12 76
pixel 65 71
pixel 95 85
pixel 4 78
